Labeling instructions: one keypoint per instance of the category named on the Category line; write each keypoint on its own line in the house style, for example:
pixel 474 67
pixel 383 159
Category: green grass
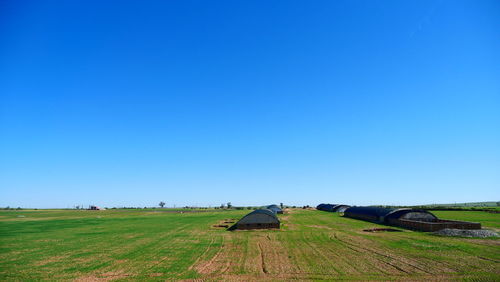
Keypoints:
pixel 70 244
pixel 155 245
pixel 471 204
pixel 487 220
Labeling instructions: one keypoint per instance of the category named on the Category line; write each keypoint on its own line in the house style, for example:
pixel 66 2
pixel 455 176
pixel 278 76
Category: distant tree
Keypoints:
pixel 498 204
pixel 161 204
pixel 281 205
pixel 229 205
pixel 222 206
pixel 77 207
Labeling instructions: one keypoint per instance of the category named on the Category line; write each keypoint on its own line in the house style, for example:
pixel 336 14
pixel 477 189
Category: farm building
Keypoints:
pixel 380 215
pixel 258 219
pixel 275 209
pixel 416 219
pixel 341 208
pixel 332 208
pixel 325 207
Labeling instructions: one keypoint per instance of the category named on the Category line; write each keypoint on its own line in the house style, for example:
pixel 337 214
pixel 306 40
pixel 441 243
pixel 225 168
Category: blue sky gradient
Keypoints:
pixel 126 103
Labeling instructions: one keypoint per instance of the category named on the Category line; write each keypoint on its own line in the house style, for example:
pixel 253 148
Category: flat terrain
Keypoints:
pixel 153 245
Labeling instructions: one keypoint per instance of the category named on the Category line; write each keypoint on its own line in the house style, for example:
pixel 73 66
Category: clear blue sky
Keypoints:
pixel 126 103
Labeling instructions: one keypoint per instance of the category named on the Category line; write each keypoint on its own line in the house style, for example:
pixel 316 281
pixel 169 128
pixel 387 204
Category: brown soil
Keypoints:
pixel 221 226
pixel 323 254
pixel 320 226
pixel 107 276
pixel 262 255
pixel 381 230
pixel 50 260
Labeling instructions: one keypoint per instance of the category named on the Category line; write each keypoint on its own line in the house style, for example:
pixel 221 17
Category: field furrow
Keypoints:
pixel 312 245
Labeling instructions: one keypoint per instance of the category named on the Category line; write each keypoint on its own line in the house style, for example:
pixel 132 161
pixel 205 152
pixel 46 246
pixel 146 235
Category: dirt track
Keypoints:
pixel 322 251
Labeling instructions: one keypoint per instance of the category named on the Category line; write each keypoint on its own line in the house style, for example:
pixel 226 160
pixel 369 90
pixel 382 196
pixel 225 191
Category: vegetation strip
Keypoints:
pixel 311 245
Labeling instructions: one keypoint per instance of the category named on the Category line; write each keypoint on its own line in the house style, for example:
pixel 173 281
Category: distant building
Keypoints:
pixel 258 219
pixel 95 208
pixel 416 219
pixel 332 207
pixel 275 209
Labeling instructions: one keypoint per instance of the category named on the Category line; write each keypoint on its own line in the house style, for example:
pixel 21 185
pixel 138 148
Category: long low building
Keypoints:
pixel 258 219
pixel 415 219
pixel 332 207
pixel 275 209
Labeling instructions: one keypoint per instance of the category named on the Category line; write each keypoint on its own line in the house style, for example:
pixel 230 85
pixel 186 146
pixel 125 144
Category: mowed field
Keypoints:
pixel 153 245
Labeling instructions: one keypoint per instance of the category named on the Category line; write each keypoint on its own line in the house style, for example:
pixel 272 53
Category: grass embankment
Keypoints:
pixel 137 244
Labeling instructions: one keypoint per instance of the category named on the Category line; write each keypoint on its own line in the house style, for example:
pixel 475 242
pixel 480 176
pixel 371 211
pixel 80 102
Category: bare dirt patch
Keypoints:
pixel 381 230
pixel 257 253
pixel 218 263
pixel 225 223
pixel 106 276
pixel 320 226
pixel 50 260
pixel 273 255
pixel 220 226
pixel 487 242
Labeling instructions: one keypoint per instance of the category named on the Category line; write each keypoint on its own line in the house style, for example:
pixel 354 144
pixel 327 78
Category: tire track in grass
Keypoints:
pixel 262 259
pixel 297 255
pixel 343 256
pixel 346 254
pixel 370 251
pixel 210 266
pixel 400 260
pixel 310 260
pixel 364 264
pixel 315 250
pixel 263 256
pixel 154 245
pixel 203 255
pixel 371 261
pixel 275 255
pixel 130 254
pixel 227 258
pixel 146 253
pixel 331 250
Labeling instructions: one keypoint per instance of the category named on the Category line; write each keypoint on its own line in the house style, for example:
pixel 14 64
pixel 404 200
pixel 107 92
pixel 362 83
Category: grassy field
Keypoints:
pixel 153 245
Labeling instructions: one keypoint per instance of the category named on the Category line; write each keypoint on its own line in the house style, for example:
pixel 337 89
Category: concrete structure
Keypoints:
pixel 415 219
pixel 275 209
pixel 340 208
pixel 332 207
pixel 258 219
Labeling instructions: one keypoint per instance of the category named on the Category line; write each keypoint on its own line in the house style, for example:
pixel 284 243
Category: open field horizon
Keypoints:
pixel 114 106
pixel 153 245
pixel 486 204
